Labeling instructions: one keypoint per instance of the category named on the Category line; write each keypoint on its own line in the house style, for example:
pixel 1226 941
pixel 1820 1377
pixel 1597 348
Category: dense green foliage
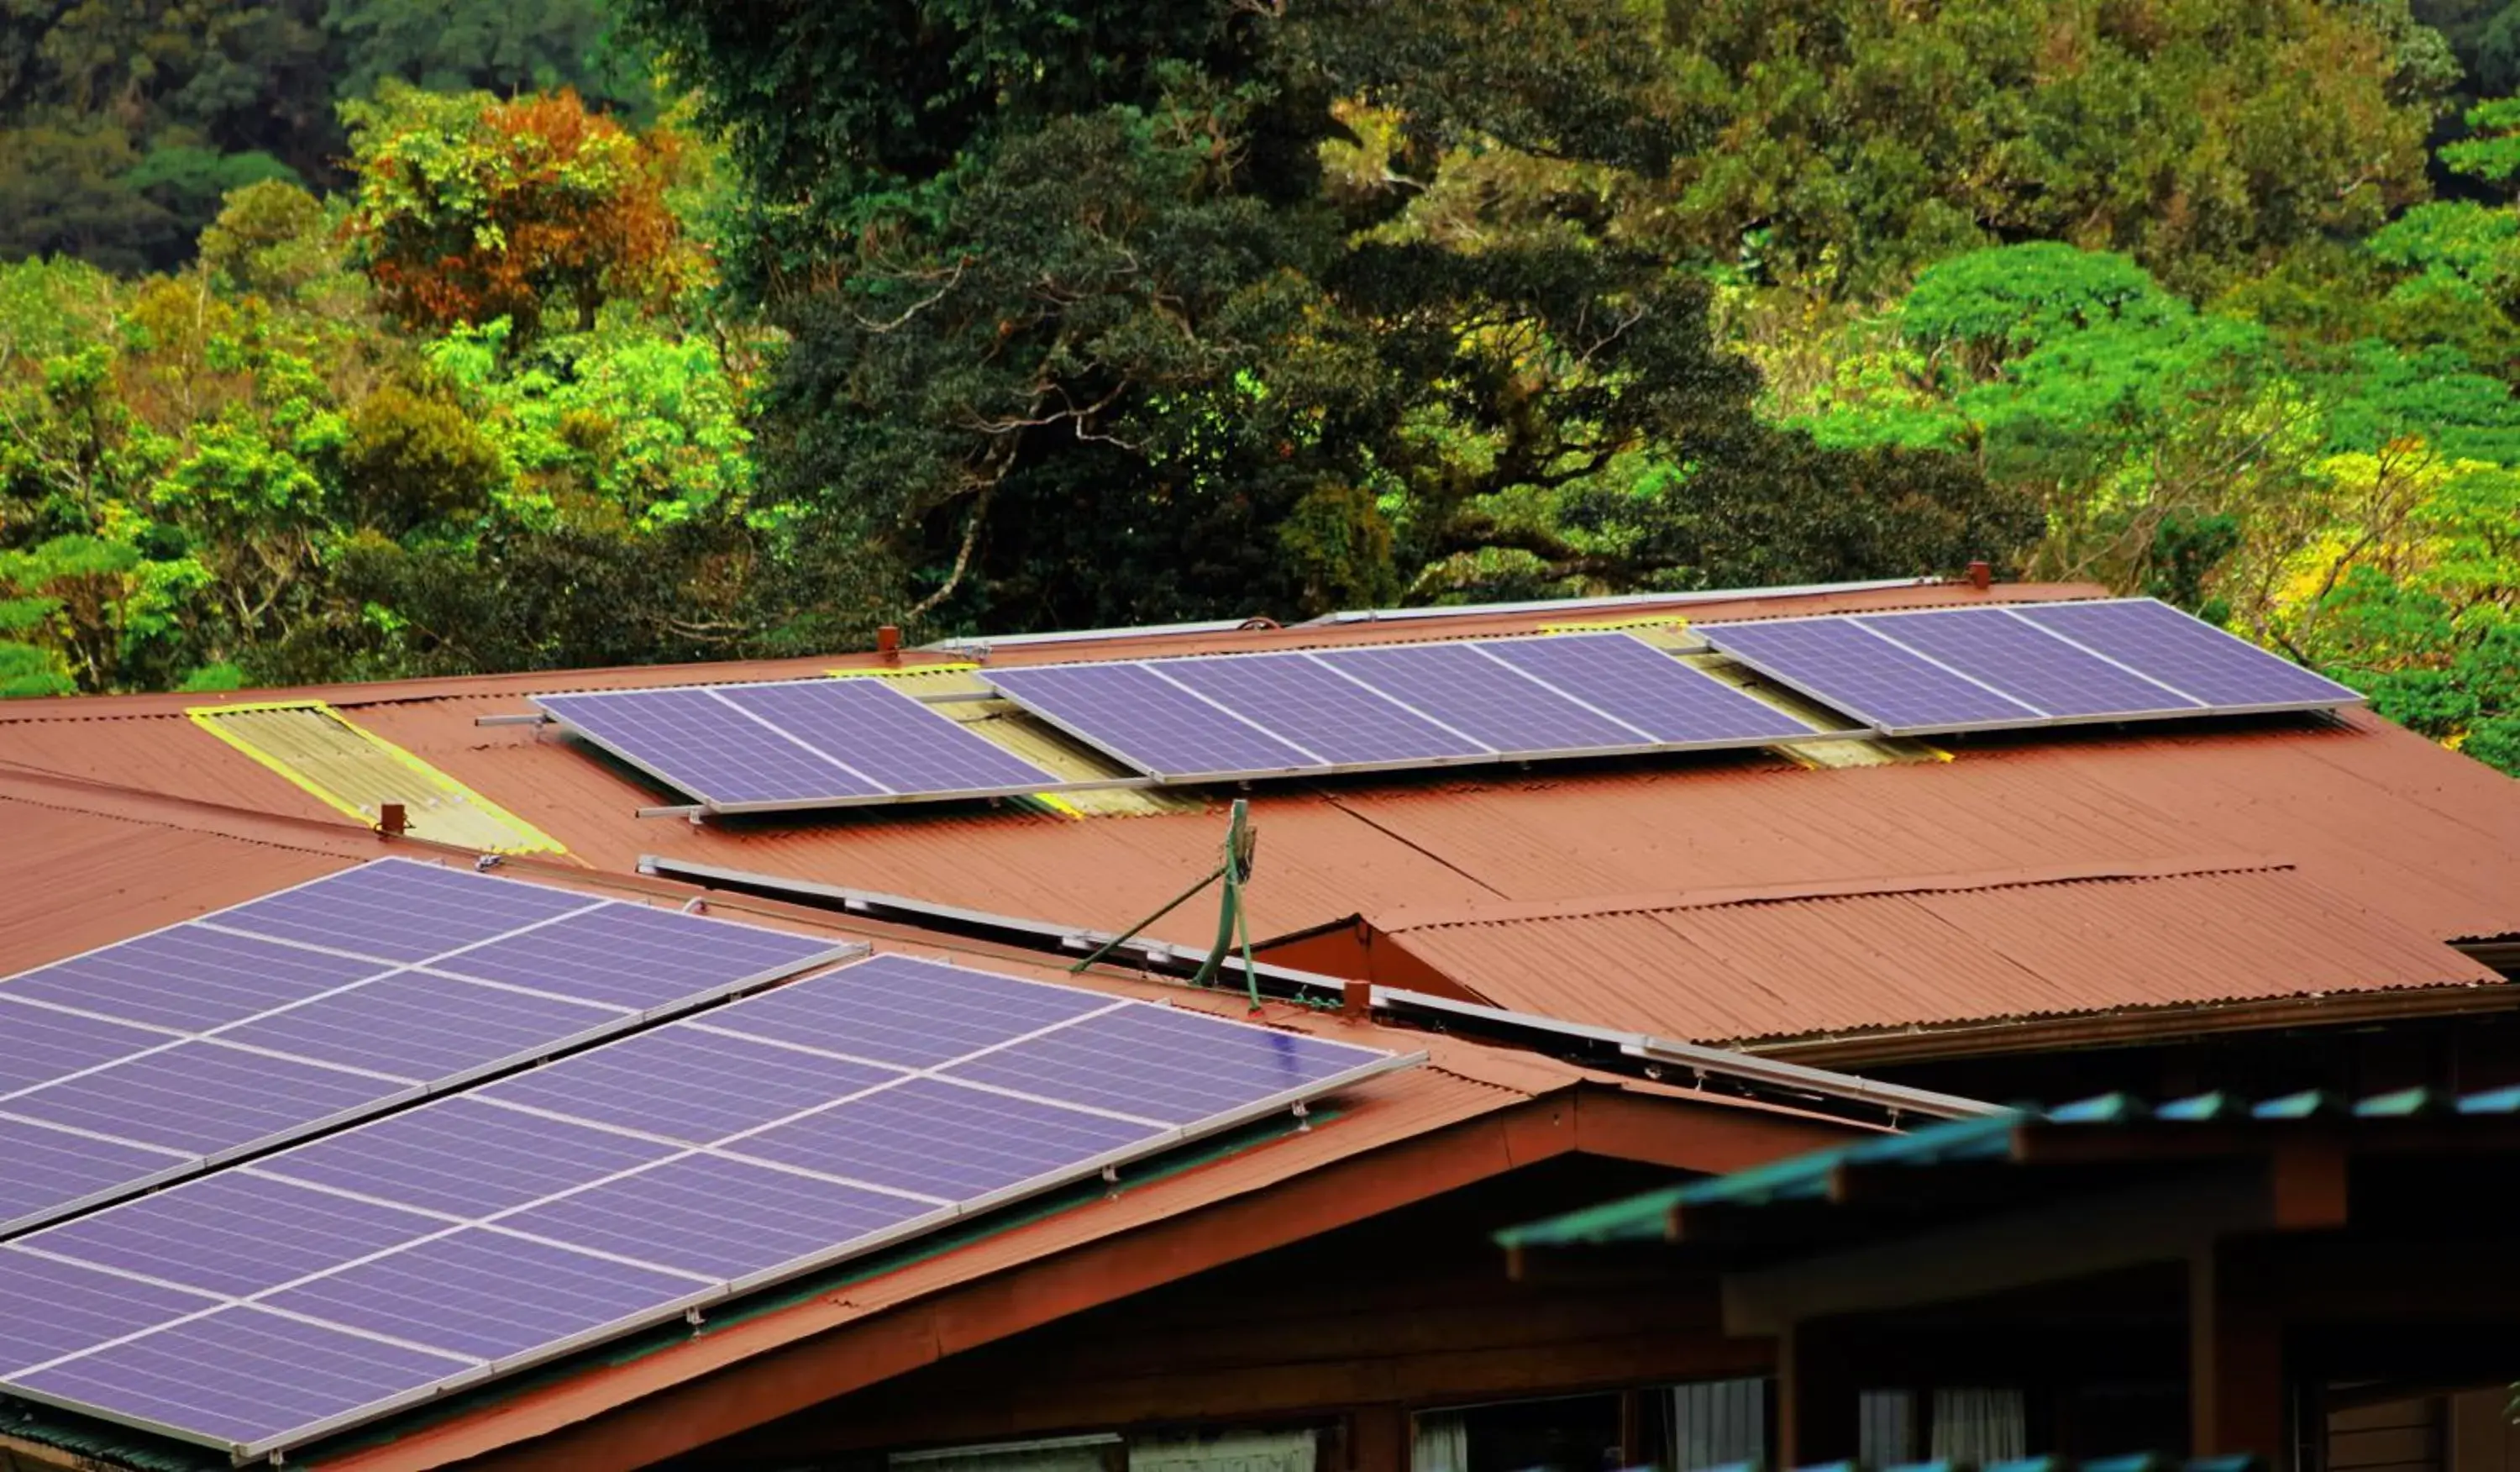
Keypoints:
pixel 353 338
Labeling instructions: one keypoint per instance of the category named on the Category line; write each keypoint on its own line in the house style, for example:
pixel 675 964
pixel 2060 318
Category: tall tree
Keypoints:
pixel 470 208
pixel 1083 332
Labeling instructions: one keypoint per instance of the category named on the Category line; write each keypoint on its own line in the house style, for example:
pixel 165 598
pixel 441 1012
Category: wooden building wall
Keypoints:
pixel 1352 1331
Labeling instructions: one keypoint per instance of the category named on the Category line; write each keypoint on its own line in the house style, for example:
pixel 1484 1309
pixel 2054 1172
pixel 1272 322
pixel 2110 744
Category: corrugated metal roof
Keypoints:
pixel 2420 838
pixel 1728 967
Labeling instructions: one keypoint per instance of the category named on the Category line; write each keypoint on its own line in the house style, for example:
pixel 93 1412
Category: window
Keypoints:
pixel 1571 1434
pixel 1226 1451
pixel 1718 1423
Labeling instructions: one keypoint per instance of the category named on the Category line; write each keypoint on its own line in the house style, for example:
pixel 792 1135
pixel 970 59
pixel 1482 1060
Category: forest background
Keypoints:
pixel 356 339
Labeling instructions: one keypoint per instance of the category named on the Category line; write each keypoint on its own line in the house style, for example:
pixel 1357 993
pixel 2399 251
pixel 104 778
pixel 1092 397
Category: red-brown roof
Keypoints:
pixel 2423 843
pixel 1824 962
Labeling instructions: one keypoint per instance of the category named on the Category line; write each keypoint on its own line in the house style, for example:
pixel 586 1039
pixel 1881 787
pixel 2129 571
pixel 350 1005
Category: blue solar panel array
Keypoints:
pixel 275 1303
pixel 1394 706
pixel 2026 665
pixel 795 744
pixel 151 1059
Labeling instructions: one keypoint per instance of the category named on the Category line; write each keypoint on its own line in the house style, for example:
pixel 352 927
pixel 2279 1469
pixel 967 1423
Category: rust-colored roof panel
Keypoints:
pixel 1732 969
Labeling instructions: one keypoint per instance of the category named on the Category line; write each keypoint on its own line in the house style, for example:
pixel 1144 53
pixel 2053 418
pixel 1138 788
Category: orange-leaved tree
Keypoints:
pixel 471 208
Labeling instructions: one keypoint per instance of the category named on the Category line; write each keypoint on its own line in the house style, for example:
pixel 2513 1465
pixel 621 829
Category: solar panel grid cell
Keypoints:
pixel 1649 689
pixel 465 1158
pixel 2027 664
pixel 1150 722
pixel 632 956
pixel 526 1231
pixel 241 1374
pixel 38 1044
pixel 695 742
pixel 1327 713
pixel 190 978
pixel 905 1012
pixel 723 1084
pixel 49 1308
pixel 888 736
pixel 944 1142
pixel 2189 654
pixel 677 1214
pixel 484 1292
pixel 1156 1063
pixel 1486 699
pixel 425 1028
pixel 1840 662
pixel 51 1169
pixel 236 1234
pixel 399 911
pixel 204 1099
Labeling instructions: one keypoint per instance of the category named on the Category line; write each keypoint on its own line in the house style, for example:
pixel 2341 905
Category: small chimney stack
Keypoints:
pixel 887 643
pixel 1981 575
pixel 393 820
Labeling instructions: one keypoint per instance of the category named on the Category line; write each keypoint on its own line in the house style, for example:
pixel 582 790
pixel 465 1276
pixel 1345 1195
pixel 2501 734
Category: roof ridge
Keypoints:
pixel 1474 913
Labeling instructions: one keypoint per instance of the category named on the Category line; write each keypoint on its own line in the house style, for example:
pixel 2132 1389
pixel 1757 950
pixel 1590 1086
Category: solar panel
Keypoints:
pixel 795 744
pixel 1639 684
pixel 161 1055
pixel 889 736
pixel 2157 640
pixel 1151 723
pixel 696 743
pixel 1886 685
pixel 2017 665
pixel 1487 699
pixel 336 1281
pixel 1330 713
pixel 2057 678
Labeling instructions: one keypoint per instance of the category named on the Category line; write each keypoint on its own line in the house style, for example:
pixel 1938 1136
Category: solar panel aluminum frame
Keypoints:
pixel 885 799
pixel 387 1103
pixel 2041 720
pixel 243 1453
pixel 1491 757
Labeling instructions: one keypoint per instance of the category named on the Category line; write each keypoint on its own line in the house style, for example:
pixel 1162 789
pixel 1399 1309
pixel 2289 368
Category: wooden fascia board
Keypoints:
pixel 748 1374
pixel 2164 1221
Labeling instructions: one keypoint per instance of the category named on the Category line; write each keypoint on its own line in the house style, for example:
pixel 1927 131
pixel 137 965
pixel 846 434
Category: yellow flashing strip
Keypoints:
pixel 1665 620
pixel 354 770
pixel 902 671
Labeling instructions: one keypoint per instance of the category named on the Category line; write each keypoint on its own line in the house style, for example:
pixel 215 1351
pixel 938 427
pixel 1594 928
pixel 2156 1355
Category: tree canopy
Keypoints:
pixel 355 337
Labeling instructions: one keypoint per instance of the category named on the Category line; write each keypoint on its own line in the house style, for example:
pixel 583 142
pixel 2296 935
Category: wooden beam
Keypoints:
pixel 1378 1439
pixel 2160 1222
pixel 2235 1372
pixel 1818 1417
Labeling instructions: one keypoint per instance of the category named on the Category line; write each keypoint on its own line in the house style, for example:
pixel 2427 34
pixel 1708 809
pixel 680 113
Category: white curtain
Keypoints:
pixel 1719 1423
pixel 1440 1443
pixel 1979 1424
pixel 1885 1427
pixel 1233 1451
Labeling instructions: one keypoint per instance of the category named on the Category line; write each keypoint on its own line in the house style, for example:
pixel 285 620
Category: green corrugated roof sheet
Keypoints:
pixel 1987 1137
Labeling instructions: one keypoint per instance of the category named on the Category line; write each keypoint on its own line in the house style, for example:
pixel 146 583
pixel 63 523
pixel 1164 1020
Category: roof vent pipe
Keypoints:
pixel 1981 575
pixel 887 643
pixel 392 819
